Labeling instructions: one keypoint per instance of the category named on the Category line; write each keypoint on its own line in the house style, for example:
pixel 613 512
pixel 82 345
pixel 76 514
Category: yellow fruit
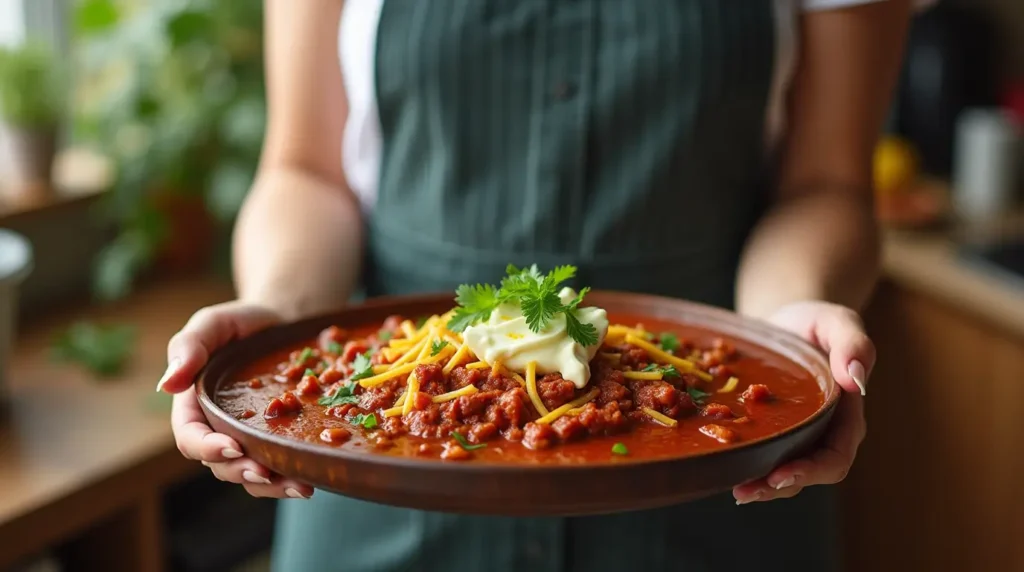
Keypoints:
pixel 895 165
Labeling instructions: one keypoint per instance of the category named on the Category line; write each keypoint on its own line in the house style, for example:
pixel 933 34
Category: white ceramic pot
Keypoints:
pixel 15 265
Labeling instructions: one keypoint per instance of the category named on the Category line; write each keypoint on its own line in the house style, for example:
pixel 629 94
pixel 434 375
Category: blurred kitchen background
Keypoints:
pixel 130 131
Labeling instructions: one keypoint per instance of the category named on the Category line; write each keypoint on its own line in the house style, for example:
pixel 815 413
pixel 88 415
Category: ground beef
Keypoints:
pixel 719 433
pixel 539 436
pixel 309 386
pixel 612 392
pixel 568 427
pixel 382 396
pixel 717 411
pixel 481 432
pixel 331 336
pixel 757 393
pixel 393 426
pixel 606 420
pixel 555 391
pixel 497 382
pixel 659 396
pixel 461 377
pixel 509 409
pixel 421 400
pixel 425 423
pixel 431 379
pixel 634 357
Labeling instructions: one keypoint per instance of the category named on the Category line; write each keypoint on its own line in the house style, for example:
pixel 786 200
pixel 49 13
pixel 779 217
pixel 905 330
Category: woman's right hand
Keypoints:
pixel 187 352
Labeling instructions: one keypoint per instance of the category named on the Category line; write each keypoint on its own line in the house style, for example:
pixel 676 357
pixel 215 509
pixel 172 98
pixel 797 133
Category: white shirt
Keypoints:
pixel 361 148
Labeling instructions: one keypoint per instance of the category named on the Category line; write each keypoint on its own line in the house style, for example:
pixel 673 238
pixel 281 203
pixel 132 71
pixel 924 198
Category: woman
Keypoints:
pixel 675 147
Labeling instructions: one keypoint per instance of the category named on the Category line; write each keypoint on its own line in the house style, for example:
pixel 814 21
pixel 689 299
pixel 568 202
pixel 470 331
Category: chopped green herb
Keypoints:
pixel 466 444
pixel 668 342
pixel 620 449
pixel 334 348
pixel 648 336
pixel 420 321
pixel 341 396
pixel 437 346
pixel 666 371
pixel 697 395
pixel 367 420
pixel 383 335
pixel 305 355
pixel 537 296
pixel 309 372
pixel 361 367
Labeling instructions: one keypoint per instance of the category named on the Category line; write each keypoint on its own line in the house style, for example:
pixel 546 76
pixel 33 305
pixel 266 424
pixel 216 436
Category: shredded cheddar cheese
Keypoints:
pixel 392 373
pixel 496 367
pixel 410 354
pixel 411 389
pixel 647 375
pixel 393 412
pixel 390 354
pixel 479 365
pixel 531 388
pixel 663 356
pixel 729 385
pixel 589 396
pixel 660 417
pixel 467 390
pixel 456 359
pixel 377 369
pixel 408 329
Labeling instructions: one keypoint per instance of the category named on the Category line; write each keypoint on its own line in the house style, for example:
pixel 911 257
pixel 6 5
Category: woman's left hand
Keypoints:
pixel 839 332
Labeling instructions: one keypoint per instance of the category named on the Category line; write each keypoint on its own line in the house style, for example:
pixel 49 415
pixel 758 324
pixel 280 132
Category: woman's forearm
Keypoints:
pixel 297 243
pixel 819 246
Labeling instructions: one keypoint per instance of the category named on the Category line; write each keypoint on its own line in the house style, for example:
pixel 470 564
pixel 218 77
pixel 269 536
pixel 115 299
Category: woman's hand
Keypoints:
pixel 838 331
pixel 187 352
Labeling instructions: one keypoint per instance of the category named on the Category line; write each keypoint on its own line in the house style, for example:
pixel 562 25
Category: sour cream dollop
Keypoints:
pixel 505 336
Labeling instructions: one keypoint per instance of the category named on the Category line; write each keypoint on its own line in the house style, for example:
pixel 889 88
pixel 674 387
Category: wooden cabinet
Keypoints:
pixel 939 481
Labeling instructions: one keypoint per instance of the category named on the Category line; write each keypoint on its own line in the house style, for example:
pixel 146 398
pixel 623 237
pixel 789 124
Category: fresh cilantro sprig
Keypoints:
pixel 437 346
pixel 536 295
pixel 465 444
pixel 620 449
pixel 361 367
pixel 384 335
pixel 341 396
pixel 697 395
pixel 334 348
pixel 367 420
pixel 668 342
pixel 666 371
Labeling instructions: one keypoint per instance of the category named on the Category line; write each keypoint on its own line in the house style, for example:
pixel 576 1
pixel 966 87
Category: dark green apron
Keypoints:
pixel 623 136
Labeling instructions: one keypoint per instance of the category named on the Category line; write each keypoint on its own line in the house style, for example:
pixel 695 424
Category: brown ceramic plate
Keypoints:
pixel 565 486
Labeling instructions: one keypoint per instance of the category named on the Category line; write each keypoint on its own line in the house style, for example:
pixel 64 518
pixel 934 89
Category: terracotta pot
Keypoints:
pixel 26 161
pixel 15 265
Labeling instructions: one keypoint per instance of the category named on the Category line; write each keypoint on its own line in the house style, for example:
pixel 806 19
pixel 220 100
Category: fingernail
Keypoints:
pixel 856 371
pixel 172 367
pixel 757 496
pixel 230 453
pixel 205 464
pixel 787 482
pixel 255 478
pixel 294 493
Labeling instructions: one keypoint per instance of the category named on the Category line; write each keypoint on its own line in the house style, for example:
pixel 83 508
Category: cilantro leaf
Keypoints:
pixel 697 395
pixel 578 299
pixel 420 321
pixel 466 444
pixel 475 304
pixel 341 396
pixel 668 341
pixel 305 355
pixel 383 335
pixel 540 308
pixel 583 334
pixel 367 420
pixel 309 372
pixel 334 348
pixel 437 346
pixel 558 275
pixel 361 367
pixel 666 371
pixel 620 449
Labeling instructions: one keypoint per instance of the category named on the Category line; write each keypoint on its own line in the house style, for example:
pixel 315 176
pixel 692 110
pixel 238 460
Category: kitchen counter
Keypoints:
pixel 930 263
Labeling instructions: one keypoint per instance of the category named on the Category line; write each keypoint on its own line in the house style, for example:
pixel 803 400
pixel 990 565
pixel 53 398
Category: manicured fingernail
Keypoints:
pixel 205 464
pixel 255 478
pixel 230 453
pixel 294 493
pixel 756 496
pixel 172 367
pixel 787 482
pixel 856 371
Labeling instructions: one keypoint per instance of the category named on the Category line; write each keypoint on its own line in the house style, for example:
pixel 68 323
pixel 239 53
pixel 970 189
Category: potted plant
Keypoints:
pixel 172 93
pixel 30 111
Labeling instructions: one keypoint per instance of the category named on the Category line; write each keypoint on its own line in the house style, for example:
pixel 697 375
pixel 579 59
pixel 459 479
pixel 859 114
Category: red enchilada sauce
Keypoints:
pixel 283 394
